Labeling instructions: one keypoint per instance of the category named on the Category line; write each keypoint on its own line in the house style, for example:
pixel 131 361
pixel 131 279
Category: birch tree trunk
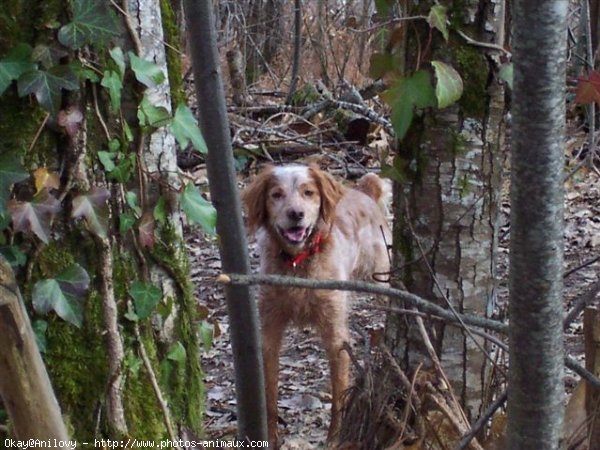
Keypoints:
pixel 535 390
pixel 446 210
pixel 119 373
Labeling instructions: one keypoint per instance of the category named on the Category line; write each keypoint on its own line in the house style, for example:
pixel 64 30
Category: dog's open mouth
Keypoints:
pixel 295 235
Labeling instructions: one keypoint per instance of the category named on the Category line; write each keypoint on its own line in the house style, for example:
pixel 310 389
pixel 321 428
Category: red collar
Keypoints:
pixel 314 248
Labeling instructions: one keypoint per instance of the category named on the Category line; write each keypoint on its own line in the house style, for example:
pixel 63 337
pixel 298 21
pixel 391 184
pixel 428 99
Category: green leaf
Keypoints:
pixel 39 331
pixel 126 221
pixel 419 89
pixel 83 72
pixel 177 353
pixel 108 160
pixel 63 294
pixel 92 207
pixel 118 57
pixel 506 74
pixel 380 64
pixel 145 298
pixel 93 23
pixel 153 116
pixel 11 172
pixel 402 115
pixel 113 84
pixel 160 212
pixel 124 169
pixel 449 85
pixel 185 128
pixel 132 201
pixel 438 19
pixel 47 86
pixel 13 65
pixel 146 72
pixel 13 255
pixel 48 55
pixel 197 209
pixel 206 331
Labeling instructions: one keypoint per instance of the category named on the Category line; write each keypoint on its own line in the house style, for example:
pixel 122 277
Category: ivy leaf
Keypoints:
pixel 146 230
pixel 45 179
pixel 47 55
pixel 146 72
pixel 39 332
pixel 35 216
pixel 160 212
pixel 145 298
pixel 13 255
pixel 153 116
pixel 63 294
pixel 119 58
pixel 588 89
pixel 108 160
pixel 93 23
pixel 185 128
pixel 13 65
pixel 438 19
pixel 177 353
pixel 70 119
pixel 93 208
pixel 113 84
pixel 123 170
pixel 206 331
pixel 419 89
pixel 11 172
pixel 506 73
pixel 47 86
pixel 83 72
pixel 449 85
pixel 126 221
pixel 402 115
pixel 197 209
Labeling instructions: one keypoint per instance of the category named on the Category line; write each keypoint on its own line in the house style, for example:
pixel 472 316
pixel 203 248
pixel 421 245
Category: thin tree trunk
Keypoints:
pixel 535 392
pixel 24 384
pixel 241 307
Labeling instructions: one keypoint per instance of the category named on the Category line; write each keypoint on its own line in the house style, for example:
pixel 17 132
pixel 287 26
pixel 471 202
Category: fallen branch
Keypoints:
pixel 423 305
pixel 370 288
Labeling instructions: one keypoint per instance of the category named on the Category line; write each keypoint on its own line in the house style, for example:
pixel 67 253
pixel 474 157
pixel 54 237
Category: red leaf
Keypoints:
pixel 588 89
pixel 34 216
pixel 146 230
pixel 93 208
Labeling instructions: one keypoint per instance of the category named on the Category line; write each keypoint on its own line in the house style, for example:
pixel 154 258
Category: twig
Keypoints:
pixel 360 286
pixel 483 419
pixel 372 288
pixel 297 50
pixel 115 410
pixel 581 266
pixel 472 41
pixel 38 132
pixel 584 300
pixel 155 386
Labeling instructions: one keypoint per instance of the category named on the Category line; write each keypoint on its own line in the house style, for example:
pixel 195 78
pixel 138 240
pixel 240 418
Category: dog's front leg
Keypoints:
pixel 335 334
pixel 272 333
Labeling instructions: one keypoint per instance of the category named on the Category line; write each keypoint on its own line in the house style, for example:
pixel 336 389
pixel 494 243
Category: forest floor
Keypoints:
pixel 304 401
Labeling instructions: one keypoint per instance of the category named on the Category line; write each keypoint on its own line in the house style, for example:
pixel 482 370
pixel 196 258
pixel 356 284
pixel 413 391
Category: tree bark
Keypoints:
pixel 245 340
pixel 535 391
pixel 446 210
pixel 25 388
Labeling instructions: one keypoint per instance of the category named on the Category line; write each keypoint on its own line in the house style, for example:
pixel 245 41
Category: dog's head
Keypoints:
pixel 292 202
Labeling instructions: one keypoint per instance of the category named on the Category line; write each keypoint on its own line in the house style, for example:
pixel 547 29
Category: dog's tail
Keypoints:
pixel 376 188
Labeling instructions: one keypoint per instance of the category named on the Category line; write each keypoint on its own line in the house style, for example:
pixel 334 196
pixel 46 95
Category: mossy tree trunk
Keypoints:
pixel 119 373
pixel 446 209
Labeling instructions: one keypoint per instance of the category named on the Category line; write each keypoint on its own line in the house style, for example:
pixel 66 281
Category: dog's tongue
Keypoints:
pixel 295 234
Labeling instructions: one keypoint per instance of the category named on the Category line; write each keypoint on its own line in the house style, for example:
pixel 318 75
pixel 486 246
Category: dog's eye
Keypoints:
pixel 309 193
pixel 276 195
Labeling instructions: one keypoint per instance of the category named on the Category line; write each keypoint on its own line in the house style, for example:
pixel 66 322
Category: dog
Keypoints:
pixel 309 225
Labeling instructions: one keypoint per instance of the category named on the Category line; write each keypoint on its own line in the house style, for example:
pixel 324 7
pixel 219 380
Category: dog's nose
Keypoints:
pixel 295 215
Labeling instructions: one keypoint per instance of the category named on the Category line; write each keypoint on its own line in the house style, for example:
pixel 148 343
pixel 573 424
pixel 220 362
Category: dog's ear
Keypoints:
pixel 254 198
pixel 330 190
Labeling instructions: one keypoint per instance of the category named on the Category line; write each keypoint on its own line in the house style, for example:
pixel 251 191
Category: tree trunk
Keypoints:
pixel 116 374
pixel 446 209
pixel 241 307
pixel 535 390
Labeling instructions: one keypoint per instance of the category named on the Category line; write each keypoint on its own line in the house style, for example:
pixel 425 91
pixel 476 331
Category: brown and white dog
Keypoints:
pixel 309 225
